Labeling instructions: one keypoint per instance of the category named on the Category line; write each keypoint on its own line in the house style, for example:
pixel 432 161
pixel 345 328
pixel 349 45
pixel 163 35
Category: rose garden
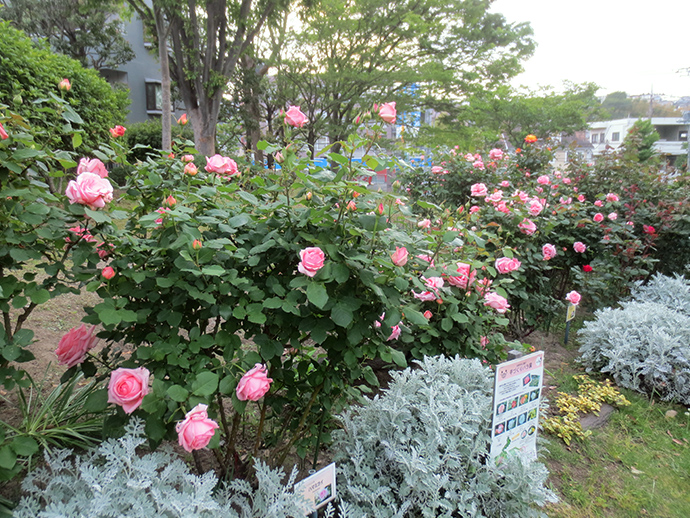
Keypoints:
pixel 247 315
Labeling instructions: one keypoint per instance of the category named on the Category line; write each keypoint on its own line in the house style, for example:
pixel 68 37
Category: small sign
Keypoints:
pixel 571 313
pixel 517 393
pixel 319 488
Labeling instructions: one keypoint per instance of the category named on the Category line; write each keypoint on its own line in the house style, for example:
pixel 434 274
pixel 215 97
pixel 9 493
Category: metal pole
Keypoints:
pixel 567 332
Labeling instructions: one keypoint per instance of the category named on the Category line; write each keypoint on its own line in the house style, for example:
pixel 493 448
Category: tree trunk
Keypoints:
pixel 166 142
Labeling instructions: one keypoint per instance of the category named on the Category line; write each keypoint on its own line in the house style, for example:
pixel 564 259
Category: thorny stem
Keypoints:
pixel 260 431
pixel 298 431
pixel 230 450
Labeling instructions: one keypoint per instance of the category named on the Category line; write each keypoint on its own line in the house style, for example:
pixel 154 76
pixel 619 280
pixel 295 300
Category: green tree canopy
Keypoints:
pixel 29 73
pixel 90 31
pixel 617 105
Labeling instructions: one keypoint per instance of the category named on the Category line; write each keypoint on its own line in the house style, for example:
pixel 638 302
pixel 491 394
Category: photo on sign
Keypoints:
pixel 522 418
pixel 513 403
pixel 535 380
pixel 534 395
pixel 526 380
pixel 512 423
pixel 531 430
pixel 524 399
pixel 501 408
pixel 532 414
pixel 323 495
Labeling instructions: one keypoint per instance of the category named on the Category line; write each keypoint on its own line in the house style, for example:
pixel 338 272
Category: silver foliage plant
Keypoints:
pixel 645 344
pixel 115 481
pixel 421 450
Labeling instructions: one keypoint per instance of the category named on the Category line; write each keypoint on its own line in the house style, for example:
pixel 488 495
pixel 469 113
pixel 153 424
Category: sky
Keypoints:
pixel 632 46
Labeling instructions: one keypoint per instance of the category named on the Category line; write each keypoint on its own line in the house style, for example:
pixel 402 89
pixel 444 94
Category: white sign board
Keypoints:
pixel 318 489
pixel 517 393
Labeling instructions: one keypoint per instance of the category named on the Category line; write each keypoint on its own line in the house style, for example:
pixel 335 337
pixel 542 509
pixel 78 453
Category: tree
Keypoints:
pixel 419 53
pixel 506 113
pixel 617 105
pixel 208 38
pixel 29 74
pixel 638 144
pixel 89 31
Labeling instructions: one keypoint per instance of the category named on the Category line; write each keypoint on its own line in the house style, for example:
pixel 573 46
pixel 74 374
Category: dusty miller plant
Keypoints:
pixel 115 481
pixel 673 292
pixel 421 449
pixel 644 346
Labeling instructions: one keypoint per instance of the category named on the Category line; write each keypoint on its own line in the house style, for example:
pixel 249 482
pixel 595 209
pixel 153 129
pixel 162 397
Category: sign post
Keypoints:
pixel 517 394
pixel 570 315
pixel 318 489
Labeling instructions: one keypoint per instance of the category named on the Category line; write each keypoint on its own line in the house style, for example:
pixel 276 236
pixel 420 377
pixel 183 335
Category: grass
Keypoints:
pixel 636 465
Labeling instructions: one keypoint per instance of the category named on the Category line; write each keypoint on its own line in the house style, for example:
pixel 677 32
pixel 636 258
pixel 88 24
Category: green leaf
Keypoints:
pixel 76 140
pixel 97 401
pixel 97 216
pixel 398 357
pixel 414 316
pixel 8 457
pixel 40 296
pixel 24 446
pixel 214 269
pixel 341 315
pixel 317 294
pixel 178 393
pixel 205 384
pixel 227 385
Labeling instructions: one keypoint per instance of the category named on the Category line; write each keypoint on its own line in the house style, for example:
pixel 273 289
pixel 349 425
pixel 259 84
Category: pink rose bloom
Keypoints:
pixel 505 183
pixel 495 197
pixel 191 169
pixel 221 165
pixel 484 341
pixel 187 158
pixel 503 207
pixel 108 272
pixel 469 157
pixel 579 247
pixel 399 257
pixel 65 85
pixel 567 181
pixel 75 344
pixel 437 169
pixel 598 203
pixel 581 198
pixel 478 189
pixel 93 165
pixel 535 207
pixel 598 217
pixel 522 195
pixel 465 278
pixel 395 333
pixel 3 133
pixel 611 197
pixel 425 223
pixel 613 216
pixel 91 190
pixel 483 285
pixel 83 233
pixel 495 301
pixel 378 322
pixel 543 180
pixel 254 384
pixel 197 430
pixel 426 258
pixel 117 131
pixel 312 259
pixel 527 227
pixel 128 387
pixel 478 165
pixel 496 154
pixel 566 201
pixel 548 251
pixel 105 249
pixel 539 189
pixel 573 297
pixel 433 282
pixel 425 296
pixel 387 112
pixel 428 314
pixel 351 206
pixel 474 209
pixel 507 265
pixel 295 118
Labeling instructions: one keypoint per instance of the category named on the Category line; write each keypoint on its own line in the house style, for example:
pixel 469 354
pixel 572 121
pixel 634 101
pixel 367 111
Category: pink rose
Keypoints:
pixel 65 85
pixel 474 209
pixel 295 118
pixel 507 265
pixel 395 333
pixel 465 278
pixel 495 196
pixel 254 384
pixel 182 120
pixel 3 133
pixel 437 169
pixel 478 189
pixel 535 207
pixel 543 180
pixel 108 272
pixel 221 165
pixel 128 387
pixel 503 207
pixel 496 154
pixel 611 197
pixel 187 158
pixel 581 198
pixel 425 223
pixel 613 216
pixel 484 341
pixel 433 282
pixel 573 297
pixel 426 296
pixel 505 183
pixel 91 190
pixel 598 203
pixel 75 344
pixel 478 165
pixel 494 300
pixel 92 166
pixel 483 285
pixel 197 430
pixel 579 247
pixel 428 314
pixel 312 259
pixel 548 251
pixel 387 112
pixel 598 217
pixel 117 131
pixel 191 169
pixel 527 227
pixel 399 257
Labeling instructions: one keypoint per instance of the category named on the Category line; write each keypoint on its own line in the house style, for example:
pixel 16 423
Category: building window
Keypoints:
pixel 154 96
pixel 615 137
pixel 595 138
pixel 683 135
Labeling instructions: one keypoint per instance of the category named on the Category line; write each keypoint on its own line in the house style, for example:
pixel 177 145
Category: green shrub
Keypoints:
pixel 146 137
pixel 421 449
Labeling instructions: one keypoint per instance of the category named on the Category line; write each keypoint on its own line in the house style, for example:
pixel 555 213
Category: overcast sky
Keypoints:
pixel 631 45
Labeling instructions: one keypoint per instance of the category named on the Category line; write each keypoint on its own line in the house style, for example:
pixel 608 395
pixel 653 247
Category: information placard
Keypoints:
pixel 318 489
pixel 517 393
pixel 571 312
